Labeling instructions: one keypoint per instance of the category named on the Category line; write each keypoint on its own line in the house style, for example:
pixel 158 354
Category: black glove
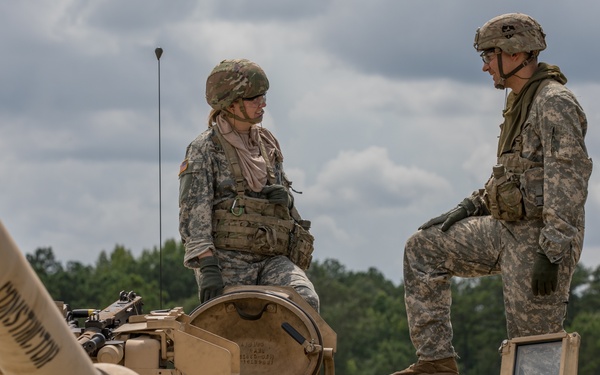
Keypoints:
pixel 464 209
pixel 278 194
pixel 545 276
pixel 212 280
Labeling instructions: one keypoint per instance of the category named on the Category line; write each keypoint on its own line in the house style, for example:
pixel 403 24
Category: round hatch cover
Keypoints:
pixel 275 335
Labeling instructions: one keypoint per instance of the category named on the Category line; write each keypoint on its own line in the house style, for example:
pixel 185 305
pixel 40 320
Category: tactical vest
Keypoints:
pixel 256 225
pixel 515 191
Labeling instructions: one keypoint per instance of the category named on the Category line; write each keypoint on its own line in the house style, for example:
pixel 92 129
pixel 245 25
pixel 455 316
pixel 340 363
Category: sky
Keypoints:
pixel 381 107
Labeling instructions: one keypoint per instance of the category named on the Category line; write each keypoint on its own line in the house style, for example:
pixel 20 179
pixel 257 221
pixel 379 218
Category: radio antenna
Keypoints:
pixel 158 52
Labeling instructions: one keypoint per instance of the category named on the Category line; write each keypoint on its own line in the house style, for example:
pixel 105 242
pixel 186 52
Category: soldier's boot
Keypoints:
pixel 446 366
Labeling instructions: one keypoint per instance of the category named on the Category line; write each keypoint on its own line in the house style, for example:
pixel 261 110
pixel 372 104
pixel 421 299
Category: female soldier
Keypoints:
pixel 237 218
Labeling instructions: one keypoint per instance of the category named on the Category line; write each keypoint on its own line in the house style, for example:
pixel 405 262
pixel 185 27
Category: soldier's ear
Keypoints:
pixel 231 107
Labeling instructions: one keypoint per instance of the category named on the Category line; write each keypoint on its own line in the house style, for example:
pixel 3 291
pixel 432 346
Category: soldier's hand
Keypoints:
pixel 212 279
pixel 545 276
pixel 277 194
pixel 465 209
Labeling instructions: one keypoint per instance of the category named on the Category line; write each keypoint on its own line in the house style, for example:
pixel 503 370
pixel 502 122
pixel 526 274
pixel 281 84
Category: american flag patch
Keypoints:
pixel 183 166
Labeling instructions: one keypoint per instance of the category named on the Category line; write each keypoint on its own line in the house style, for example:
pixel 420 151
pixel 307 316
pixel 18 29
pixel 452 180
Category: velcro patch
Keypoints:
pixel 184 166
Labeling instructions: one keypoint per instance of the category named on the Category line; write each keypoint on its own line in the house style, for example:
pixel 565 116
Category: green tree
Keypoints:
pixel 584 317
pixel 116 273
pixel 179 287
pixel 364 308
pixel 587 292
pixel 582 294
pixel 479 323
pixel 587 325
pixel 47 268
pixel 367 313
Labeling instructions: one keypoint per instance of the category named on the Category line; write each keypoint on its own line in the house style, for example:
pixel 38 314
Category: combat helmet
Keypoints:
pixel 512 33
pixel 234 79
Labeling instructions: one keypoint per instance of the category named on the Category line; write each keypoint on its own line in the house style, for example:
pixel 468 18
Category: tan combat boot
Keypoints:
pixel 446 366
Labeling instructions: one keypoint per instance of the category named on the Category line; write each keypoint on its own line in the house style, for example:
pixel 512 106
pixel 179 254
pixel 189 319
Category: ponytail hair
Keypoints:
pixel 212 116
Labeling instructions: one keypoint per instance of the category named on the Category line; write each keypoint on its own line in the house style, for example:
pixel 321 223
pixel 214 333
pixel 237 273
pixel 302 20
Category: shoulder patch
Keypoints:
pixel 184 166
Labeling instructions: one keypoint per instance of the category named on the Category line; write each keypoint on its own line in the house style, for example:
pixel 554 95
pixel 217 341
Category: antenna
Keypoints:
pixel 158 52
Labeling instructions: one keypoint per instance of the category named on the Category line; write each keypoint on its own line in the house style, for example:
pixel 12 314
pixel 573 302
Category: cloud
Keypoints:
pixel 369 180
pixel 358 204
pixel 382 110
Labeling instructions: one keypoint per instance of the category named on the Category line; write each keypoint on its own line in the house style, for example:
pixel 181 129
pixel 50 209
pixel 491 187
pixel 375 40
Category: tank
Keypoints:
pixel 34 336
pixel 247 330
pixel 277 331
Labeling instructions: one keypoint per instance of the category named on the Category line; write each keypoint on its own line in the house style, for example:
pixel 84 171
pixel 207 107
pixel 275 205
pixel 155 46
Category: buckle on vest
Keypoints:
pixel 240 209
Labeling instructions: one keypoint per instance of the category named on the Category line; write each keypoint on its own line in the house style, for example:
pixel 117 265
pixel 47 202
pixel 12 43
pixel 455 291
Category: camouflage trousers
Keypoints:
pixel 245 268
pixel 474 247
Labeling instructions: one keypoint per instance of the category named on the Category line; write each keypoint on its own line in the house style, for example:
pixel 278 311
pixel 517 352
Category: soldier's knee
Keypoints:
pixel 412 243
pixel 309 296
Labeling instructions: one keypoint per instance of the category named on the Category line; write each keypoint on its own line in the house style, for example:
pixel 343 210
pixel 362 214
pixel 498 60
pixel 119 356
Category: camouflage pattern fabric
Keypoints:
pixel 512 33
pixel 243 268
pixel 234 79
pixel 553 134
pixel 205 181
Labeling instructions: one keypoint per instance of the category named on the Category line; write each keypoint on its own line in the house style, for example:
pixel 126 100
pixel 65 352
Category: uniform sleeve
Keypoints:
pixel 196 195
pixel 567 169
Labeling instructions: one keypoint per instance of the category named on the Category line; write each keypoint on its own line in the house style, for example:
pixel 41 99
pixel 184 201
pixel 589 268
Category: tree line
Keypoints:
pixel 364 308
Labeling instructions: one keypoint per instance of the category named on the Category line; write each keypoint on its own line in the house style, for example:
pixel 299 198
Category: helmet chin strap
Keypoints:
pixel 500 85
pixel 246 118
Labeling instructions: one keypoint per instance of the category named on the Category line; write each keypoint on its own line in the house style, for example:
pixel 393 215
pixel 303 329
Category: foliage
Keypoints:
pixel 365 310
pixel 587 324
pixel 478 315
pixel 95 287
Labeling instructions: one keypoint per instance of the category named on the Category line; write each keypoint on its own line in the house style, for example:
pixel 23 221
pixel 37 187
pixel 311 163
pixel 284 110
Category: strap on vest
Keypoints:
pixel 233 160
pixel 265 155
pixel 248 224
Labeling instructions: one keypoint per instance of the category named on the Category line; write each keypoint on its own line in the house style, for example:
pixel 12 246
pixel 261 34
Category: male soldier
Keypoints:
pixel 527 224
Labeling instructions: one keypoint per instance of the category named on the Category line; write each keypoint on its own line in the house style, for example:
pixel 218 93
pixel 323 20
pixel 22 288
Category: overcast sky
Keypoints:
pixel 381 108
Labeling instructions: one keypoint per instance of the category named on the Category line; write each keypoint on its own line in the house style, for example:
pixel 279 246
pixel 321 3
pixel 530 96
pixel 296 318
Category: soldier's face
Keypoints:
pixel 254 107
pixel 490 65
pixel 509 63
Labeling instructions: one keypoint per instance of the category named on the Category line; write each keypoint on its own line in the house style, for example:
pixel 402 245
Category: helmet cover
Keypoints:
pixel 231 80
pixel 512 33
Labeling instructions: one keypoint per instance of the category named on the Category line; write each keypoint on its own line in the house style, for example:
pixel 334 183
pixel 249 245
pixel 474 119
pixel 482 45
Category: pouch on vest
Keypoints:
pixel 301 245
pixel 258 226
pixel 503 197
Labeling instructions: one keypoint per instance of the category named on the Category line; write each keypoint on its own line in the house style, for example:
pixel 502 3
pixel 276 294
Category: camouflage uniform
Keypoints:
pixel 208 181
pixel 479 245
